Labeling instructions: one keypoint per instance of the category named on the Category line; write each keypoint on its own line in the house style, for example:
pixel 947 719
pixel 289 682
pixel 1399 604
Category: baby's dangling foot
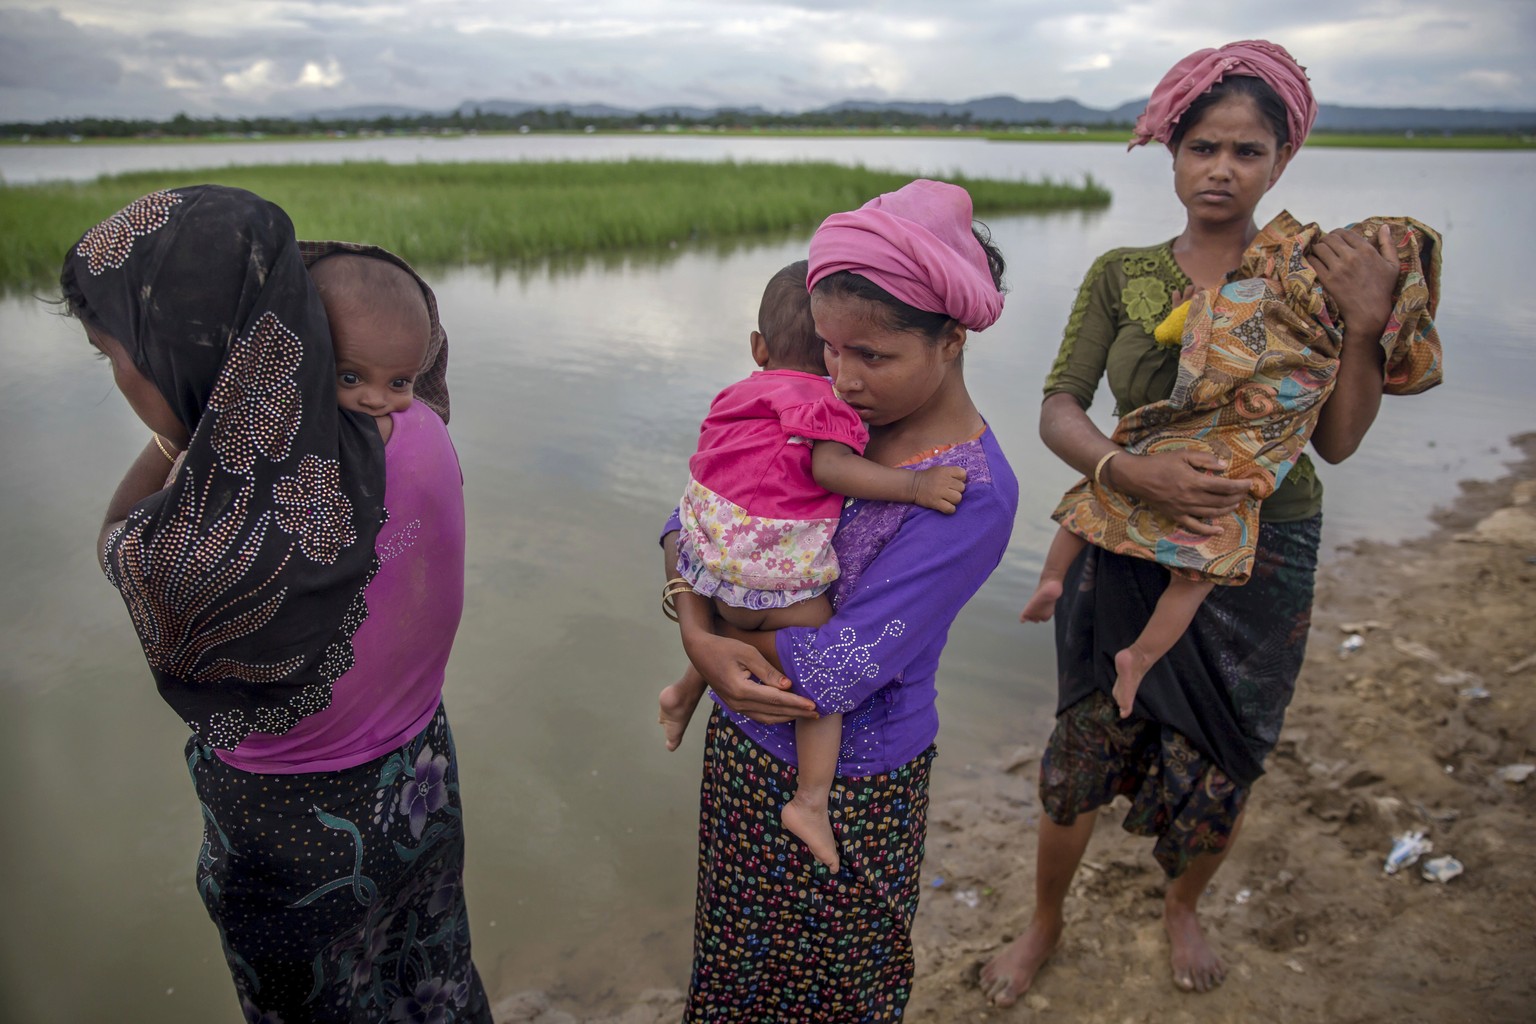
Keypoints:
pixel 1130 666
pixel 1042 603
pixel 677 704
pixel 814 828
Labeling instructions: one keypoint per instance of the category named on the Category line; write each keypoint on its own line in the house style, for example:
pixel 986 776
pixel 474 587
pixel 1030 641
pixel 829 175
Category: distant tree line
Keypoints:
pixel 184 126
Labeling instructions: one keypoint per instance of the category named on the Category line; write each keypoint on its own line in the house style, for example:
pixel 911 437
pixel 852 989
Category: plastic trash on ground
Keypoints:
pixel 1441 869
pixel 1406 850
pixel 1515 772
pixel 1351 644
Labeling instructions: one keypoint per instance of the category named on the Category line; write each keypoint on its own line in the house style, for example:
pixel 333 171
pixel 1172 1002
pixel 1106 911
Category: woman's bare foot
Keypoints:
pixel 1196 967
pixel 1130 666
pixel 809 821
pixel 677 704
pixel 1007 976
pixel 1042 603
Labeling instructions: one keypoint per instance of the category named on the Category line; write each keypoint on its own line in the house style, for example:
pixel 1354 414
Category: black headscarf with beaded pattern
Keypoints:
pixel 245 576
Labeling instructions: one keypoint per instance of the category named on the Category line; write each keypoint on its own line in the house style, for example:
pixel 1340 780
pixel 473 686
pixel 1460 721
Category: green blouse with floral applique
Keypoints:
pixel 1124 296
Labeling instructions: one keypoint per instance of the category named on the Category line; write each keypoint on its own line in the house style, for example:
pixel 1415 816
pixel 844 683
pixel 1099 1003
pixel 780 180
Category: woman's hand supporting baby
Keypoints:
pixel 1183 485
pixel 1186 486
pixel 743 678
pixel 1360 277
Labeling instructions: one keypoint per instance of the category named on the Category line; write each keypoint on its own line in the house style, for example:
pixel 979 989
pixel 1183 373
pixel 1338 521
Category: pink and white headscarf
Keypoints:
pixel 917 244
pixel 1193 76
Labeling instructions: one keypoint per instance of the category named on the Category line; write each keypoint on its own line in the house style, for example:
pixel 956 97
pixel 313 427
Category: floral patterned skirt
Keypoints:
pixel 339 896
pixel 779 938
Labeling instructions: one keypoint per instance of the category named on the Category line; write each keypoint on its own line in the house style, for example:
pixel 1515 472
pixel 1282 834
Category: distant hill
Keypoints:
pixel 1431 119
pixel 370 112
pixel 511 108
pixel 983 110
pixel 703 113
pixel 1006 109
pixel 1330 117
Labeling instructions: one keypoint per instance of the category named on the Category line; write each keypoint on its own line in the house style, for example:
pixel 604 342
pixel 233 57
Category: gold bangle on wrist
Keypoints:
pixel 1098 470
pixel 163 450
pixel 669 592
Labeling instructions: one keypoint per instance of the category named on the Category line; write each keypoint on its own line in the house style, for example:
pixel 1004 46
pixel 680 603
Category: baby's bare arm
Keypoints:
pixel 842 471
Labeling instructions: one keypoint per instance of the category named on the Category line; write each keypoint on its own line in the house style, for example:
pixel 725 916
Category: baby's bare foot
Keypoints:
pixel 1130 666
pixel 1042 603
pixel 811 824
pixel 677 704
pixel 1007 976
pixel 1196 967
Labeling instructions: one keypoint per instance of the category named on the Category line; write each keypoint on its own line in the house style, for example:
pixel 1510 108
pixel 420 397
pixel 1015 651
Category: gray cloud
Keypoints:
pixel 131 57
pixel 41 51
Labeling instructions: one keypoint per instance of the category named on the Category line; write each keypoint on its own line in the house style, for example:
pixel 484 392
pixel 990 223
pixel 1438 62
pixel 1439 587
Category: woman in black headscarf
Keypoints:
pixel 252 579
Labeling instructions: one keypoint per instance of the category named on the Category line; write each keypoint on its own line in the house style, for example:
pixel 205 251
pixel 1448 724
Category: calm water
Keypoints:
pixel 576 399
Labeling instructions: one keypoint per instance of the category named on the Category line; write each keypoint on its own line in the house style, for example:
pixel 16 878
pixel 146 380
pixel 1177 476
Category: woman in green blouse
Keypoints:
pixel 1209 712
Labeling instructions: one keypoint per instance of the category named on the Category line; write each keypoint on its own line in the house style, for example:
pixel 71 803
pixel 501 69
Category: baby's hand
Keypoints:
pixel 939 488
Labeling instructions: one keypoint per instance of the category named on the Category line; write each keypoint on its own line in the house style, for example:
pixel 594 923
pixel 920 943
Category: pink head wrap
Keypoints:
pixel 1193 76
pixel 917 244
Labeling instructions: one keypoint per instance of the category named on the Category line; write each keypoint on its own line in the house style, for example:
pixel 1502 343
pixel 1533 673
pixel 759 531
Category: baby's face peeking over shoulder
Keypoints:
pixel 380 330
pixel 377 360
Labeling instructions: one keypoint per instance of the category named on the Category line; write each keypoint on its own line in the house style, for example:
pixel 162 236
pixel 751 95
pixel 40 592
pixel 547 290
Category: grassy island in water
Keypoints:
pixel 448 214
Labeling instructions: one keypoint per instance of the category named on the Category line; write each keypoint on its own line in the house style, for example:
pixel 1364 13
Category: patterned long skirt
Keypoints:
pixel 1207 714
pixel 776 936
pixel 1177 794
pixel 339 896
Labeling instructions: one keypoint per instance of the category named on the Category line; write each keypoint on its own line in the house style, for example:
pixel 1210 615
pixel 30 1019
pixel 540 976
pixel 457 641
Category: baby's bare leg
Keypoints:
pixel 677 704
pixel 817 741
pixel 1170 619
pixel 1042 603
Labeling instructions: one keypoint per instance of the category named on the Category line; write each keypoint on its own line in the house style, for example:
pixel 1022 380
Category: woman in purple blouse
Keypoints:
pixel 895 288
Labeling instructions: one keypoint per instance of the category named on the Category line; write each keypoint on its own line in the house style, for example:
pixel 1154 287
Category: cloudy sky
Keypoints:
pixel 153 58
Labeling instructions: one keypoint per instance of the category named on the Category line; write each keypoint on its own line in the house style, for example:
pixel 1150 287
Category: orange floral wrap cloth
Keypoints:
pixel 1258 357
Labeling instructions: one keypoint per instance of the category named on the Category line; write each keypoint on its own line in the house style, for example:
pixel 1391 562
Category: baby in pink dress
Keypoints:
pixel 777 454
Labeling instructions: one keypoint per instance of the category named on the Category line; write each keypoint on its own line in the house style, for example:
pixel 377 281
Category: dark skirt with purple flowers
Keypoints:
pixel 339 896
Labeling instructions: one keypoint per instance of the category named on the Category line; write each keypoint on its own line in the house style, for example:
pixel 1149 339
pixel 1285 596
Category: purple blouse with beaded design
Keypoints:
pixel 906 573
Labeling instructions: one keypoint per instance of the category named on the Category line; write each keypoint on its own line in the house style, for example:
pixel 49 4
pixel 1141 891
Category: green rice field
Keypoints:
pixel 502 213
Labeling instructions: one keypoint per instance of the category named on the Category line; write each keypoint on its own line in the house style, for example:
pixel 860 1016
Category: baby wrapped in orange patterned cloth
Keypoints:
pixel 1258 358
